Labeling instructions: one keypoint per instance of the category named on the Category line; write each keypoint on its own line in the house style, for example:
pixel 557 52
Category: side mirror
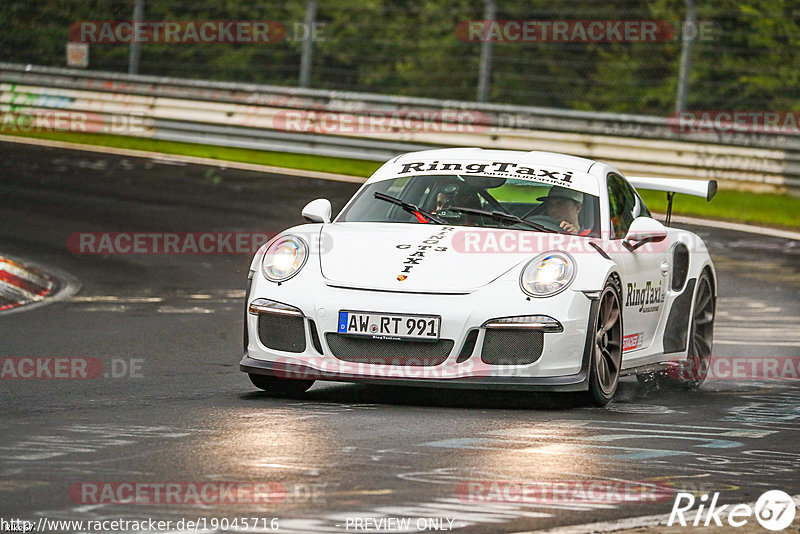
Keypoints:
pixel 644 230
pixel 318 211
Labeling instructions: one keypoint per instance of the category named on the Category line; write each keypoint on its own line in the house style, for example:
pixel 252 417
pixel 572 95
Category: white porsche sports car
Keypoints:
pixel 481 268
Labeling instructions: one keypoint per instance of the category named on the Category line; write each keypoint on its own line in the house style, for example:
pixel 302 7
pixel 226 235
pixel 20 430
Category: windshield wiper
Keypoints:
pixel 411 208
pixel 507 217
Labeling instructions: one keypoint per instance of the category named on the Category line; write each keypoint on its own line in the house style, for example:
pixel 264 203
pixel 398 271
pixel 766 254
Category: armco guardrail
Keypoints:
pixel 321 122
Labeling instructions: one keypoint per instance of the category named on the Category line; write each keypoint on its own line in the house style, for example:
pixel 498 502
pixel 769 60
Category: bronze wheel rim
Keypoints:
pixel 608 342
pixel 702 331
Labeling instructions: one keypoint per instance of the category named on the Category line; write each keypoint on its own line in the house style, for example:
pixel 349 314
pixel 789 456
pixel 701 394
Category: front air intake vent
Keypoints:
pixel 282 333
pixel 389 352
pixel 512 347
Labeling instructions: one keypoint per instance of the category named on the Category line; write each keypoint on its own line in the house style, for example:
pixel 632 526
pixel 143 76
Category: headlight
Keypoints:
pixel 284 258
pixel 547 274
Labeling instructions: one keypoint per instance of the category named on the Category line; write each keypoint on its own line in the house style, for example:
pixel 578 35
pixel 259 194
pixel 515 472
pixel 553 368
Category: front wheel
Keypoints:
pixel 282 387
pixel 606 359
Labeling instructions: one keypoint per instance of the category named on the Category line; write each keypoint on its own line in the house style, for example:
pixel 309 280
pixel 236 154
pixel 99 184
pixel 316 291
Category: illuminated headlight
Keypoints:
pixel 284 258
pixel 547 274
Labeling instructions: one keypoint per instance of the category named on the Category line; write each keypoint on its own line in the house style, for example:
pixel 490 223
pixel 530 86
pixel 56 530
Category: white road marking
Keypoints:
pixel 175 309
pixel 167 303
pixel 113 298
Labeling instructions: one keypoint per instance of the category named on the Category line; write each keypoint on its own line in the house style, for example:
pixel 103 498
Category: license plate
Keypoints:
pixel 390 326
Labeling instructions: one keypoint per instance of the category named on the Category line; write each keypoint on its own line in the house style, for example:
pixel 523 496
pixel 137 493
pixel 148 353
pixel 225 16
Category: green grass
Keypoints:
pixel 517 193
pixel 353 167
pixel 765 209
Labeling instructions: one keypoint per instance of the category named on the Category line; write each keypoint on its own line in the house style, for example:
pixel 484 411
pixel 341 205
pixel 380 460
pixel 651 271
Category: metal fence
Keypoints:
pixel 732 55
pixel 372 126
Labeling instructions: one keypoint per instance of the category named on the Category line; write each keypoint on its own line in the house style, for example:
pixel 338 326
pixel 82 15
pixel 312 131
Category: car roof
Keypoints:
pixel 533 157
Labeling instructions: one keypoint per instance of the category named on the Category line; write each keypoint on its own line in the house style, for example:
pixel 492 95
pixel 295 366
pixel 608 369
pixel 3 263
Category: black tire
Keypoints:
pixel 606 359
pixel 693 372
pixel 280 387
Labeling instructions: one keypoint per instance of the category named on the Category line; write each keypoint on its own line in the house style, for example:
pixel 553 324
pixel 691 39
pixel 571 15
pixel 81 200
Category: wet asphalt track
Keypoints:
pixel 341 451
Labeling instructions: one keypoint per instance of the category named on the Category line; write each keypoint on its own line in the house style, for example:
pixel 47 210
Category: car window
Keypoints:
pixel 444 194
pixel 624 205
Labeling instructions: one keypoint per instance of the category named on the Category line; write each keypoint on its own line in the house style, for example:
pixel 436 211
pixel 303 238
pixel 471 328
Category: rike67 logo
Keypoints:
pixel 774 510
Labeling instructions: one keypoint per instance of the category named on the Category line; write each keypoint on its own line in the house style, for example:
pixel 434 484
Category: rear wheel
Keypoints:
pixel 693 372
pixel 280 386
pixel 606 359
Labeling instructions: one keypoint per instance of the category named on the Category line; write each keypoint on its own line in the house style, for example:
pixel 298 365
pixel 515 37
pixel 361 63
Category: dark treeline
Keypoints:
pixel 748 59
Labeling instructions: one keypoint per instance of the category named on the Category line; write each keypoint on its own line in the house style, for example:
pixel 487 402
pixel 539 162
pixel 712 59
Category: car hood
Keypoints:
pixel 424 258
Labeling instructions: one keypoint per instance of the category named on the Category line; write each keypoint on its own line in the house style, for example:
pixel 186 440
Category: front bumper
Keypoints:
pixel 562 366
pixel 298 371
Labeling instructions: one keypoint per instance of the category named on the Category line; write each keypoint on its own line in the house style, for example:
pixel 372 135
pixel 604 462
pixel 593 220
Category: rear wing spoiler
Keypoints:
pixel 699 188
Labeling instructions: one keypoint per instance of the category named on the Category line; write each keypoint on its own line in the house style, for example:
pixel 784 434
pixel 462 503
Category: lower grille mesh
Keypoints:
pixel 388 352
pixel 282 333
pixel 512 347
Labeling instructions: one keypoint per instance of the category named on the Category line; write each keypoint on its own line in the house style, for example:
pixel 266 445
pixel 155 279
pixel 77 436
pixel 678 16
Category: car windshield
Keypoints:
pixel 483 201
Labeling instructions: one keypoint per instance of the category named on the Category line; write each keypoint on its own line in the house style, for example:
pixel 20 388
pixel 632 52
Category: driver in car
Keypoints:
pixel 454 196
pixel 564 206
pixel 444 200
